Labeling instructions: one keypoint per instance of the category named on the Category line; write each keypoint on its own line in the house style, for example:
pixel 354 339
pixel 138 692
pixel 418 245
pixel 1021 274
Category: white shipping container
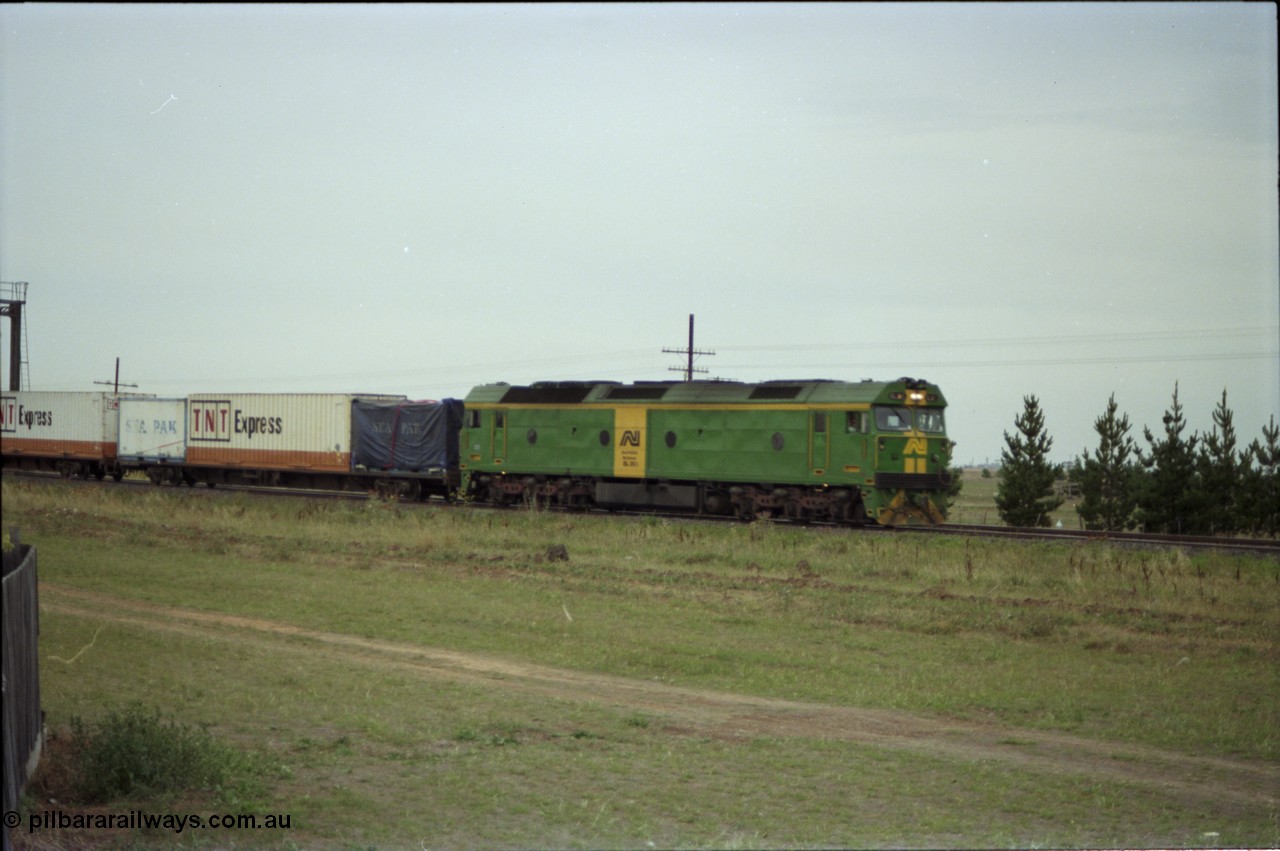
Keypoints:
pixel 152 430
pixel 283 431
pixel 54 424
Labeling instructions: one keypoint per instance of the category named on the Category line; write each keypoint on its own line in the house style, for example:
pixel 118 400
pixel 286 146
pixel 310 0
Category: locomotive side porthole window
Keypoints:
pixel 604 437
pixel 532 436
pixel 671 440
pixel 778 441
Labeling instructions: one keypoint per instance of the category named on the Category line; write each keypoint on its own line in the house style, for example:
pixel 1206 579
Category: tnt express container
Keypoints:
pixel 272 431
pixel 73 432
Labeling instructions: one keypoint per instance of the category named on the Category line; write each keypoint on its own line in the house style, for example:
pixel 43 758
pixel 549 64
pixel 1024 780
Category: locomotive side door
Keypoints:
pixel 498 436
pixel 819 445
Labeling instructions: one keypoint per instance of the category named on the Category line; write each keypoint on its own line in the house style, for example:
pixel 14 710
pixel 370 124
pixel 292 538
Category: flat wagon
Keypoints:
pixel 383 443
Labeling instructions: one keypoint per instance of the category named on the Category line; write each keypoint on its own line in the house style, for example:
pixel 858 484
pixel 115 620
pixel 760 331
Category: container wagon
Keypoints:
pixel 72 433
pixel 387 444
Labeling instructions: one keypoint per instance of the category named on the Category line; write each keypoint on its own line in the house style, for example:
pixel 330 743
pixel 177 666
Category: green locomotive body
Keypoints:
pixel 871 451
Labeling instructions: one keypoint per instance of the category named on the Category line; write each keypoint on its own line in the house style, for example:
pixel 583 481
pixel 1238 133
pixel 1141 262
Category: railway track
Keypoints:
pixel 1254 546
pixel 1248 546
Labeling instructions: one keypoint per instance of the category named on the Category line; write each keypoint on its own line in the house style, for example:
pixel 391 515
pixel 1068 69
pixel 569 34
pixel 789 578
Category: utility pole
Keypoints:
pixel 691 352
pixel 116 383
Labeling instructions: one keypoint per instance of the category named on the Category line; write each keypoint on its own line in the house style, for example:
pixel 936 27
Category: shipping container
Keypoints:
pixel 272 431
pixel 73 433
pixel 412 437
pixel 152 431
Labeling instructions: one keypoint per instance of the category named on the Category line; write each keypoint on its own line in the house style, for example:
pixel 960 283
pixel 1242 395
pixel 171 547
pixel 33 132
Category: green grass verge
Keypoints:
pixel 1146 647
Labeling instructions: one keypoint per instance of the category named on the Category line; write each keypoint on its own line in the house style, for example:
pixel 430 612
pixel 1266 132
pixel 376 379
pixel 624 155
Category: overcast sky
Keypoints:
pixel 1065 200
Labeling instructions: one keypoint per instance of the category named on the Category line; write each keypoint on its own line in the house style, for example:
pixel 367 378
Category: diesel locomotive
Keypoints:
pixel 834 451
pixel 831 451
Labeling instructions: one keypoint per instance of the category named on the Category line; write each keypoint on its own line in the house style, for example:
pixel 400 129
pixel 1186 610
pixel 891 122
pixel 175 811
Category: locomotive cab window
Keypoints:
pixel 855 422
pixel 473 419
pixel 930 421
pixel 893 419
pixel 819 423
pixel 499 419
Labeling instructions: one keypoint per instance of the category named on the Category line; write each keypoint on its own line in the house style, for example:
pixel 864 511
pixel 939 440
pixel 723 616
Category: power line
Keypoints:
pixel 1212 334
pixel 905 362
pixel 445 371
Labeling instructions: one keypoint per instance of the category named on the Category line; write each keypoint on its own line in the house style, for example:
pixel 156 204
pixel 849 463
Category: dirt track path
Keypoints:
pixel 1222 781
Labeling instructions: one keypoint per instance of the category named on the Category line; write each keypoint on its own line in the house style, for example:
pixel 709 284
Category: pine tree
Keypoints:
pixel 1169 501
pixel 955 480
pixel 1108 478
pixel 1261 492
pixel 1025 496
pixel 1221 473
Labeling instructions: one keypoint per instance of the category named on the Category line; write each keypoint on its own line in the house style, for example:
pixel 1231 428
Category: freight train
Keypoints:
pixel 832 451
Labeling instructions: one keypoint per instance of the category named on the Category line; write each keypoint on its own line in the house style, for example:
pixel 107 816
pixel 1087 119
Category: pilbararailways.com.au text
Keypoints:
pixel 142 820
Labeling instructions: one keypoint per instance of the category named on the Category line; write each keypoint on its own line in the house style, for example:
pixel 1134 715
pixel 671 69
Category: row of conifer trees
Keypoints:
pixel 1179 483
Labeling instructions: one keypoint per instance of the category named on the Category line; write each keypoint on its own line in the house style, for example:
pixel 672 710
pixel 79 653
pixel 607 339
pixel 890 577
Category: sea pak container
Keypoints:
pixel 152 431
pixel 401 436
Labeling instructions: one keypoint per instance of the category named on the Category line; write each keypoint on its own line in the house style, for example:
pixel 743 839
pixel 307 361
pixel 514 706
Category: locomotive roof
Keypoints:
pixel 810 391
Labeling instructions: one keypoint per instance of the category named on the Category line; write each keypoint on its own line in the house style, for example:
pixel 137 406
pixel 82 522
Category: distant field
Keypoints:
pixel 438 678
pixel 977 502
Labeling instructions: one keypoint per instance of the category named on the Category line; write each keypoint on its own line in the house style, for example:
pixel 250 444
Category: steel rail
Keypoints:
pixel 1253 546
pixel 1257 546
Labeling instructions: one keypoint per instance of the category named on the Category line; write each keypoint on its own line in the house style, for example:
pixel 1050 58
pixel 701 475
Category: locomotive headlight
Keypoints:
pixel 916 396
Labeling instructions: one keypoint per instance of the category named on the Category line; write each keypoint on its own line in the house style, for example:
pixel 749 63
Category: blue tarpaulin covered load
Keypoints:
pixel 405 436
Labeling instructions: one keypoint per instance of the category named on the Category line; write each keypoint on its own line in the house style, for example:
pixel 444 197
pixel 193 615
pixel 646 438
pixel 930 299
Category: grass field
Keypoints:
pixel 409 678
pixel 977 503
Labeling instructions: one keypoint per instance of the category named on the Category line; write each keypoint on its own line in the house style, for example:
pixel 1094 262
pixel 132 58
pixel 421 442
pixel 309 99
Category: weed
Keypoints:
pixel 640 722
pixel 134 751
